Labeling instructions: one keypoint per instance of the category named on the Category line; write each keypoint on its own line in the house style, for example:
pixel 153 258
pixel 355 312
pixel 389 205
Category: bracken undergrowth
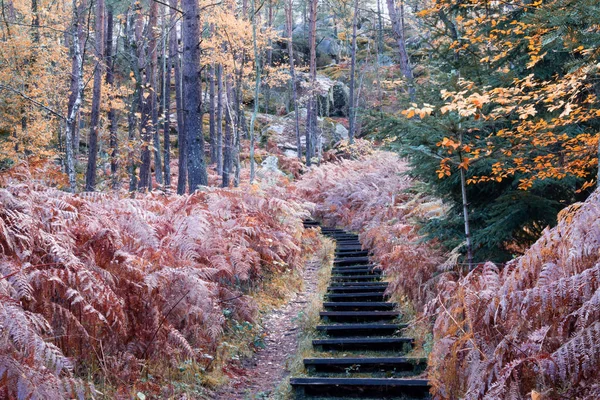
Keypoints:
pixel 528 330
pixel 96 287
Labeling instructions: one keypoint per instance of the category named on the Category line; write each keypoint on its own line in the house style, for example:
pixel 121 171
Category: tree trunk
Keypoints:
pixel 256 89
pixel 212 114
pixel 352 108
pixel 465 203
pixel 148 102
pixel 134 34
pixel 152 44
pixel 311 116
pixel 219 117
pixel 112 113
pixel 197 175
pixel 90 174
pixel 175 63
pixel 398 28
pixel 269 55
pixel 145 104
pixel 289 17
pixel 73 89
pixel 78 61
pixel 166 100
pixel 229 126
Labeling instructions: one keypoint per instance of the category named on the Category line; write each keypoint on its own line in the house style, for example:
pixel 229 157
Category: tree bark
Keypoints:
pixel 289 17
pixel 134 35
pixel 269 60
pixel 112 113
pixel 465 203
pixel 152 44
pixel 256 89
pixel 90 175
pixel 175 63
pixel 352 108
pixel 212 114
pixel 78 61
pixel 197 175
pixel 312 106
pixel 398 29
pixel 166 99
pixel 219 117
pixel 148 102
pixel 228 141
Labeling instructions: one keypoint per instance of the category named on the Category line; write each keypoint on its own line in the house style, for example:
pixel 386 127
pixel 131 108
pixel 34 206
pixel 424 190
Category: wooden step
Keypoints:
pixel 360 387
pixel 346 242
pixel 363 296
pixel 310 222
pixel 358 266
pixel 344 250
pixel 342 283
pixel 365 343
pixel 366 364
pixel 358 316
pixel 359 269
pixel 363 271
pixel 355 278
pixel 357 289
pixel 367 329
pixel 353 253
pixel 359 305
pixel 348 247
pixel 350 261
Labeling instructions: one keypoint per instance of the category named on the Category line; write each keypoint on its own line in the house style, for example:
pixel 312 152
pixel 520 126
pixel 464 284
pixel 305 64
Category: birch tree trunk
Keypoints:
pixel 192 89
pixel 90 174
pixel 152 44
pixel 256 89
pixel 352 108
pixel 465 203
pixel 166 100
pixel 78 61
pixel 212 114
pixel 289 17
pixel 228 141
pixel 181 139
pixel 311 108
pixel 112 113
pixel 219 117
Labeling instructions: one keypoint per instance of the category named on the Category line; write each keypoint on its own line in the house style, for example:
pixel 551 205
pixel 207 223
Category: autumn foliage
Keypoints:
pixel 98 285
pixel 531 326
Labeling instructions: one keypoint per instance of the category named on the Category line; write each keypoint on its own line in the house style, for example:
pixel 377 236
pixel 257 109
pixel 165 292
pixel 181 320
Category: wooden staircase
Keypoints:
pixel 359 330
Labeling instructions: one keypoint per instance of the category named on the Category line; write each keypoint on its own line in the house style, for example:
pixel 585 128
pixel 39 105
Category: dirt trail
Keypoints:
pixel 268 367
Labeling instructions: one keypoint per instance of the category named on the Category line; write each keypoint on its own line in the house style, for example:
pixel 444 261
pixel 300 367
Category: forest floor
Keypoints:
pixel 269 366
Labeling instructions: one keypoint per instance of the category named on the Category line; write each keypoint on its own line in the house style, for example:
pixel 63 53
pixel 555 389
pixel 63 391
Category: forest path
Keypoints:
pixel 268 367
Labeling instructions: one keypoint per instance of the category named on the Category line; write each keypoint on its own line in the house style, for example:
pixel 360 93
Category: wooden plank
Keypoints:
pixel 363 314
pixel 360 381
pixel 364 360
pixel 359 305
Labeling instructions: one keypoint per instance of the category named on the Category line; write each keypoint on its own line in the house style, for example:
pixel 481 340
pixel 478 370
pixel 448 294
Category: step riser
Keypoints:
pixel 360 366
pixel 355 279
pixel 357 290
pixel 354 391
pixel 360 332
pixel 346 254
pixel 348 248
pixel 400 347
pixel 358 319
pixel 355 272
pixel 357 297
pixel 351 261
